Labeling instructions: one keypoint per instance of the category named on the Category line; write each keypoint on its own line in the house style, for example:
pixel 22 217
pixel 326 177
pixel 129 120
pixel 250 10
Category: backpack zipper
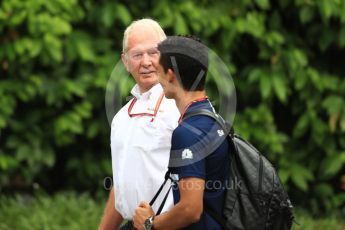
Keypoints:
pixel 260 172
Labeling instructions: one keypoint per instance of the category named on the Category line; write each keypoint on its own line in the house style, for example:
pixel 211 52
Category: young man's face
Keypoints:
pixel 166 81
pixel 141 57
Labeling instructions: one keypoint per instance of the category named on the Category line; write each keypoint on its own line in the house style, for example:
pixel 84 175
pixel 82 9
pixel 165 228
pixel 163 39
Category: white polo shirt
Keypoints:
pixel 140 150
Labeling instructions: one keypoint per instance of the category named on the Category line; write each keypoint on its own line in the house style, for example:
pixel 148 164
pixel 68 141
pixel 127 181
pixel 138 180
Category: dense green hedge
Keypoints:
pixel 286 58
pixel 73 212
pixel 61 211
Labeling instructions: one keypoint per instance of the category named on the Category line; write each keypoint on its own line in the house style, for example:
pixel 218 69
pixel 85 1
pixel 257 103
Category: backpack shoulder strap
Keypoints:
pixel 225 126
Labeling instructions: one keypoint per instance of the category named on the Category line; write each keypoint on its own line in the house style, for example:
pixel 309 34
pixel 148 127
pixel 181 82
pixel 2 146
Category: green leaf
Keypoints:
pixel 339 199
pixel 8 104
pixel 300 80
pixel 300 182
pixel 342 122
pixel 74 87
pixel 123 14
pixel 49 157
pixel 84 46
pixel 274 38
pixel 319 128
pixel 341 37
pixel 253 24
pixel 180 25
pixel 325 8
pixel 265 86
pixel 327 38
pixel 333 104
pixel 300 176
pixel 23 152
pixel 306 14
pixel 17 18
pixel 333 164
pixel 53 45
pixel 19 46
pixel 254 75
pixel 324 190
pixel 315 78
pixel 280 86
pixel 84 109
pixel 284 175
pixel 10 52
pixel 2 122
pixel 263 4
pixel 108 16
pixel 7 162
pixel 300 57
pixel 35 48
pixel 93 130
pixel 60 26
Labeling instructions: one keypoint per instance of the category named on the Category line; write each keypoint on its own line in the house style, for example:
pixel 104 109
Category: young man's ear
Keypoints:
pixel 125 61
pixel 171 76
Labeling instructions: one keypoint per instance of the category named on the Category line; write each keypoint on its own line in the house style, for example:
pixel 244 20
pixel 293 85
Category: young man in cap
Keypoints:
pixel 199 158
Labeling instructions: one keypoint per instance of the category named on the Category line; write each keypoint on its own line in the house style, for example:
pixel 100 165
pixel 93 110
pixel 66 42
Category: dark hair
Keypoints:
pixel 188 58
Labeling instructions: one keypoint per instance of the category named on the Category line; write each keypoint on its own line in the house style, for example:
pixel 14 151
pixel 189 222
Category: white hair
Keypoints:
pixel 145 22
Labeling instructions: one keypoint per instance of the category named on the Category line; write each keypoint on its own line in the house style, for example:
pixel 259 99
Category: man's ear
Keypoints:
pixel 171 76
pixel 125 61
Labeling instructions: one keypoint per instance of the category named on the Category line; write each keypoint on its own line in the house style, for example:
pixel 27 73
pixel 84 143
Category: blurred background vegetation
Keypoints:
pixel 286 58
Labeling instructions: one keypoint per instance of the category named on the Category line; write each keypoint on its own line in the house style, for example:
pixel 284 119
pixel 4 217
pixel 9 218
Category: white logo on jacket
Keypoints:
pixel 187 154
pixel 220 132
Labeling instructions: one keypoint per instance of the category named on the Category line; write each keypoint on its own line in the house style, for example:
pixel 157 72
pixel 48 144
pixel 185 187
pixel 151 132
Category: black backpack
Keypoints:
pixel 255 199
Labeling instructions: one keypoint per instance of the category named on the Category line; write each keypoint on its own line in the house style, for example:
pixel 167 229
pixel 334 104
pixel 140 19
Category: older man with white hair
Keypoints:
pixel 141 131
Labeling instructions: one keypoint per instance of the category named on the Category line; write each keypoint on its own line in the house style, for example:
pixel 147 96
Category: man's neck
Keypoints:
pixel 185 98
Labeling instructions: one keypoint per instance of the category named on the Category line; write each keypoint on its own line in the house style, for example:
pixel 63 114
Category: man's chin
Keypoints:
pixel 149 78
pixel 147 83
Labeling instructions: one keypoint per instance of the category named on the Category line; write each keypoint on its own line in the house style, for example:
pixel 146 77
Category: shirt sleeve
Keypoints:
pixel 188 153
pixel 191 143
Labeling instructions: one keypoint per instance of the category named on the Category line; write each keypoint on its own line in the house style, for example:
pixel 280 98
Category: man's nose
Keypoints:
pixel 146 60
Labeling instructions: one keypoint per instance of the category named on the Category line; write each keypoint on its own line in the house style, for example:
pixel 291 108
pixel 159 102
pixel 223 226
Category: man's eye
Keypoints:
pixel 137 55
pixel 153 52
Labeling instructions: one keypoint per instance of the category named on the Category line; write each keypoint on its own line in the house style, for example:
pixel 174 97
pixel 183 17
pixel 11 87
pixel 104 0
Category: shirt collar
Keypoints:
pixel 200 104
pixel 154 92
pixel 203 104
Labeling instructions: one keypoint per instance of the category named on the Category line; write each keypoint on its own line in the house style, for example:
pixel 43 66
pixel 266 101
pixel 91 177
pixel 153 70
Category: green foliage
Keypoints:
pixel 286 58
pixel 71 211
pixel 53 77
pixel 64 210
pixel 307 222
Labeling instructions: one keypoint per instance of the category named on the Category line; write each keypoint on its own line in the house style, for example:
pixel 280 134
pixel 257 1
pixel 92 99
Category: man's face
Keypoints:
pixel 141 57
pixel 164 81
